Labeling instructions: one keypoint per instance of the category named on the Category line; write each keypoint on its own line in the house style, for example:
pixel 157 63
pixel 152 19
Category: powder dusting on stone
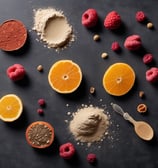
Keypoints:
pixel 53 28
pixel 89 124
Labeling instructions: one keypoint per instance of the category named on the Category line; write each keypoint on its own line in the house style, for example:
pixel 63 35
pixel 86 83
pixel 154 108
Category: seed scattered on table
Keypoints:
pixel 96 37
pixel 40 68
pixel 141 94
pixel 92 90
pixel 150 25
pixel 104 55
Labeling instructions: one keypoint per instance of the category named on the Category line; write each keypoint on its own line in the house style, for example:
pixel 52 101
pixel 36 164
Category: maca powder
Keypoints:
pixel 53 28
pixel 89 124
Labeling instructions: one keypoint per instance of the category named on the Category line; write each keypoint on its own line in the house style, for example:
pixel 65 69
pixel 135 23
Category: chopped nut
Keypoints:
pixel 96 37
pixel 142 108
pixel 104 55
pixel 141 94
pixel 150 25
pixel 92 90
pixel 40 68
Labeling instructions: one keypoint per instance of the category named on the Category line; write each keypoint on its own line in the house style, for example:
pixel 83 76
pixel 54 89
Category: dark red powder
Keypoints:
pixel 13 35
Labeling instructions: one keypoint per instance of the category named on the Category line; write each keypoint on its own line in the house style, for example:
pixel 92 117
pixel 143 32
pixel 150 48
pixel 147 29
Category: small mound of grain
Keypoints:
pixel 89 124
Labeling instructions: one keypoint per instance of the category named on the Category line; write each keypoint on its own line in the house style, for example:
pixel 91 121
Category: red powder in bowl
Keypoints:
pixel 13 35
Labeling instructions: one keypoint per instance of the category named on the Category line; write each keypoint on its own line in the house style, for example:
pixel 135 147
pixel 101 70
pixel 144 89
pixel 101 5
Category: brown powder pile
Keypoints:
pixel 89 124
pixel 53 28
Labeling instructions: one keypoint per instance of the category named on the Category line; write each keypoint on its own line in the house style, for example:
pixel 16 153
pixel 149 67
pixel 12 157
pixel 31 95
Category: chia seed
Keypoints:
pixel 40 134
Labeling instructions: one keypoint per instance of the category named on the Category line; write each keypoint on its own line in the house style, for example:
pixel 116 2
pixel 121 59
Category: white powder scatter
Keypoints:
pixel 89 124
pixel 53 28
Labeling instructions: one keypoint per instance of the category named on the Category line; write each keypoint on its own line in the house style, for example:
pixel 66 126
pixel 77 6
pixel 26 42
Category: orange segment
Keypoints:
pixel 11 108
pixel 65 76
pixel 118 79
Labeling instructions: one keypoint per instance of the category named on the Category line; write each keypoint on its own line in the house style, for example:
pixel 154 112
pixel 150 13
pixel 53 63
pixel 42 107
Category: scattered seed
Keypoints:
pixel 141 94
pixel 92 90
pixel 40 68
pixel 48 141
pixel 104 55
pixel 96 37
pixel 150 25
pixel 142 108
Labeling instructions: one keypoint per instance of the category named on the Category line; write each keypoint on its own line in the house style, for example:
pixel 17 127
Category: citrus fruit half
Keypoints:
pixel 39 134
pixel 11 107
pixel 65 76
pixel 118 79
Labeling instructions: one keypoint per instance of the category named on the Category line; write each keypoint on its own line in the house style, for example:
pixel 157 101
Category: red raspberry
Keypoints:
pixel 16 72
pixel 133 42
pixel 140 16
pixel 112 20
pixel 152 75
pixel 41 102
pixel 89 18
pixel 147 58
pixel 67 150
pixel 91 158
pixel 40 111
pixel 115 46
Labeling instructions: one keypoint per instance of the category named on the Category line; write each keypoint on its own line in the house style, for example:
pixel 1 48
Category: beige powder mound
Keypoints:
pixel 53 28
pixel 89 124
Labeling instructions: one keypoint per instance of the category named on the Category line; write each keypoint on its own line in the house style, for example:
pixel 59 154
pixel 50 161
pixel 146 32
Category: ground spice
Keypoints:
pixel 53 28
pixel 89 124
pixel 13 35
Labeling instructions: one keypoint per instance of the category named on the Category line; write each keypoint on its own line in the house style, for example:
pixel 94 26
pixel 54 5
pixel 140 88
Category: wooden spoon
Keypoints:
pixel 142 129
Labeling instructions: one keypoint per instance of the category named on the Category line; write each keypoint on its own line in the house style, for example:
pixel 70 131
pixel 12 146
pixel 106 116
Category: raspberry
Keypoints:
pixel 115 46
pixel 147 58
pixel 91 158
pixel 67 150
pixel 133 42
pixel 89 18
pixel 16 72
pixel 112 20
pixel 40 111
pixel 41 102
pixel 140 16
pixel 152 75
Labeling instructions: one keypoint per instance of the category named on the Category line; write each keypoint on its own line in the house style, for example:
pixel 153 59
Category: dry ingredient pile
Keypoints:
pixel 53 28
pixel 89 124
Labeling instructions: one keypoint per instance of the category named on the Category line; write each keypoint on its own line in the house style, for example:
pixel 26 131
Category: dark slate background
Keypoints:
pixel 122 148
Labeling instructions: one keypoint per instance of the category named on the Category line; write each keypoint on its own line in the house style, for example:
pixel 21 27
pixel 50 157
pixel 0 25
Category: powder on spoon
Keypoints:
pixel 89 124
pixel 53 28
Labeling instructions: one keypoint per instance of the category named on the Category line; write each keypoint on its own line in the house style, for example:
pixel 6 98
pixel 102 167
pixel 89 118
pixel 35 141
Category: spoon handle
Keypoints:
pixel 127 117
pixel 117 109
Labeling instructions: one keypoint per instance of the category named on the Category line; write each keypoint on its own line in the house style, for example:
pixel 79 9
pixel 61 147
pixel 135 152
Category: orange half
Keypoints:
pixel 11 108
pixel 118 79
pixel 65 76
